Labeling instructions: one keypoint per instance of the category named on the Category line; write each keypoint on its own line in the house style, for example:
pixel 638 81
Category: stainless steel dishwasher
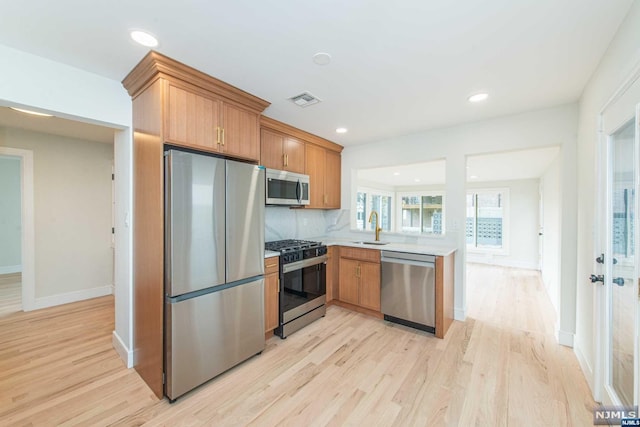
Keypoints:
pixel 408 289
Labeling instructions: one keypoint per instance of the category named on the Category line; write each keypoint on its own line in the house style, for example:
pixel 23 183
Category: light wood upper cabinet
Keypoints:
pixel 240 133
pixel 315 166
pixel 278 151
pixel 191 119
pixel 323 168
pixel 206 122
pixel 333 167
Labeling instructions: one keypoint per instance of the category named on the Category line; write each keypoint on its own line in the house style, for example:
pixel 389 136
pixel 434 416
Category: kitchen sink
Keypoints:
pixel 370 243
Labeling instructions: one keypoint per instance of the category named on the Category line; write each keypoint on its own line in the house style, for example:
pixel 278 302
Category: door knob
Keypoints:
pixel 598 278
pixel 618 281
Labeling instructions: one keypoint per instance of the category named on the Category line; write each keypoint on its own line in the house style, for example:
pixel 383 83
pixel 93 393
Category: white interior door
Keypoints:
pixel 617 291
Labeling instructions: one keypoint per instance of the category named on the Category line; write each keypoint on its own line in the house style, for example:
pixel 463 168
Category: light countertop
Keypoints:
pixel 270 254
pixel 439 250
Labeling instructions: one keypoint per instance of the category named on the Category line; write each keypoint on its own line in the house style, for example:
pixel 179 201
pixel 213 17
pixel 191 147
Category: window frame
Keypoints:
pixel 378 192
pixel 419 193
pixel 506 211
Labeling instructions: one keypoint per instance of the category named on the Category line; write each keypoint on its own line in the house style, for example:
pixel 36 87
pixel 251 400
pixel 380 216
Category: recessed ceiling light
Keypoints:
pixel 473 177
pixel 396 173
pixel 341 130
pixel 322 58
pixel 33 113
pixel 417 180
pixel 478 97
pixel 144 38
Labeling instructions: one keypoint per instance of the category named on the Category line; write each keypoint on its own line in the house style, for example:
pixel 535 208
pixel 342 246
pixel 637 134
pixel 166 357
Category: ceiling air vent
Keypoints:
pixel 304 99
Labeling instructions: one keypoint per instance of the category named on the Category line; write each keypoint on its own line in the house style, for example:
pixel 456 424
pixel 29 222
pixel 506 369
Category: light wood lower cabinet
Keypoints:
pixel 360 277
pixel 358 284
pixel 271 294
pixel 332 272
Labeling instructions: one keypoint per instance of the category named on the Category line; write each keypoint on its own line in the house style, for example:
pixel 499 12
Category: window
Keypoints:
pixel 377 200
pixel 486 218
pixel 421 213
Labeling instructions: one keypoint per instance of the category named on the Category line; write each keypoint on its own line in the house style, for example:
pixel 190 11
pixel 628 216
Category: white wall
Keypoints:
pixel 31 81
pixel 10 215
pixel 72 198
pixel 523 223
pixel 551 222
pixel 621 58
pixel 543 128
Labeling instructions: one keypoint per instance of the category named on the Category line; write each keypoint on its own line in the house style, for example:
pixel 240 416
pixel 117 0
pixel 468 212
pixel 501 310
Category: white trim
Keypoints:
pixel 459 314
pixel 75 296
pixel 125 354
pixel 565 338
pixel 587 370
pixel 28 227
pixel 10 269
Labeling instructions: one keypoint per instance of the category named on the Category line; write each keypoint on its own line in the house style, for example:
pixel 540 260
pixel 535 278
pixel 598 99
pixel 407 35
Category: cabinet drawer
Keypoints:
pixel 271 265
pixel 371 255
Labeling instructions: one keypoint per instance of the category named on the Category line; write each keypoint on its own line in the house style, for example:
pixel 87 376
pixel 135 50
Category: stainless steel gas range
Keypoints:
pixel 303 278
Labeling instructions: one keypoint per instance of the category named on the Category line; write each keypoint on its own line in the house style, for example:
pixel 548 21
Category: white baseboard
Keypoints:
pixel 125 354
pixel 459 314
pixel 564 338
pixel 514 263
pixel 587 370
pixel 10 269
pixel 66 298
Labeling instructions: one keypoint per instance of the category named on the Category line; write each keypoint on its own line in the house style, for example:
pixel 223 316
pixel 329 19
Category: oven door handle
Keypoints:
pixel 299 265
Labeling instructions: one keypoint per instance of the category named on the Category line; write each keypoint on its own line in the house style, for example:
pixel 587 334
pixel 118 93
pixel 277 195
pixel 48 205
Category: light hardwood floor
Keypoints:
pixel 10 293
pixel 500 367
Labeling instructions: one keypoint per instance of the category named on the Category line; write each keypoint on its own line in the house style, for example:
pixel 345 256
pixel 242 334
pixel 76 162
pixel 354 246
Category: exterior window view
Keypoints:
pixel 422 214
pixel 367 201
pixel 484 227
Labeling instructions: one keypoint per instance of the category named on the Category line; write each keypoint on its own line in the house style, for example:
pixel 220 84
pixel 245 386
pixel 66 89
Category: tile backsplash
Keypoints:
pixel 284 223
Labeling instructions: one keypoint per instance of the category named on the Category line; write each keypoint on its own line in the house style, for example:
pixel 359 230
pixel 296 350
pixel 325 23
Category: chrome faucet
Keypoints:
pixel 378 228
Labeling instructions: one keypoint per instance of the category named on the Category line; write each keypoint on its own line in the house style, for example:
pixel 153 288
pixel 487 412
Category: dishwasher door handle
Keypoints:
pixel 419 260
pixel 408 262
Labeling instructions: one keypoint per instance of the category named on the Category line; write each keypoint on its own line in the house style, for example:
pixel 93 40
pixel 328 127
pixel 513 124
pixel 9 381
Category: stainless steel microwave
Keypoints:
pixel 286 188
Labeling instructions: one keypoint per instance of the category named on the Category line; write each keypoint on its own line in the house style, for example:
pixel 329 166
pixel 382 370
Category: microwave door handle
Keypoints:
pixel 299 191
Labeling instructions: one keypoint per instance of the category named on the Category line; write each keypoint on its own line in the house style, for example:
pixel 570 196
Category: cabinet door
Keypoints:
pixel 191 119
pixel 271 149
pixel 271 290
pixel 370 285
pixel 241 132
pixel 294 152
pixel 332 273
pixel 348 287
pixel 314 167
pixel 332 180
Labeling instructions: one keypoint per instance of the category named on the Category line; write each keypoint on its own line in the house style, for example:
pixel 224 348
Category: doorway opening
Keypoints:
pixel 512 227
pixel 10 235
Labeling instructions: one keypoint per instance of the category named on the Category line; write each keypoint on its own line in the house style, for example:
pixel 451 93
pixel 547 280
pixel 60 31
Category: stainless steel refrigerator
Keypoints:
pixel 214 285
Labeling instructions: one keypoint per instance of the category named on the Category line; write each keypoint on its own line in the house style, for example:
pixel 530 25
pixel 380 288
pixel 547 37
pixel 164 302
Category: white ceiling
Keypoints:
pixel 507 166
pixel 397 67
pixel 56 126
